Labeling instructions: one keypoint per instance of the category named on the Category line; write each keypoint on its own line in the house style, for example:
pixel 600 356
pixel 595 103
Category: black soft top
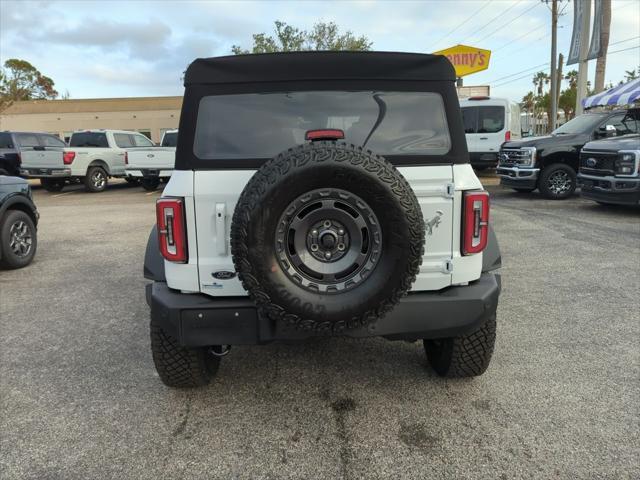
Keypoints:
pixel 309 66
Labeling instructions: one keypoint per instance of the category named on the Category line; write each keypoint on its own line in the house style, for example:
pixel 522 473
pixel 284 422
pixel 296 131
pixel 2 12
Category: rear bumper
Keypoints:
pixel 618 190
pixel 200 320
pixel 148 172
pixel 45 172
pixel 518 177
pixel 483 159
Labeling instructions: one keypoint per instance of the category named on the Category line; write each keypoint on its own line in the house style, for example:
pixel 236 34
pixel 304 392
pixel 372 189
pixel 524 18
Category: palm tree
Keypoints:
pixel 630 75
pixel 572 77
pixel 539 80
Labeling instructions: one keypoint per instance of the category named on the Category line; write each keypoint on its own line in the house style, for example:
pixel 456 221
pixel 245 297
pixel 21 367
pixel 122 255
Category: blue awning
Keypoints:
pixel 621 95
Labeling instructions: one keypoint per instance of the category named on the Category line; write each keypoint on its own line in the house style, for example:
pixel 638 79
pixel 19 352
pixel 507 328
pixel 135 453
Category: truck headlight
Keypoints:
pixel 627 163
pixel 528 157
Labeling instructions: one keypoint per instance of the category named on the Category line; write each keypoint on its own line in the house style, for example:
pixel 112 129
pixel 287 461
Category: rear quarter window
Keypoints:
pixel 257 125
pixel 89 140
pixel 170 139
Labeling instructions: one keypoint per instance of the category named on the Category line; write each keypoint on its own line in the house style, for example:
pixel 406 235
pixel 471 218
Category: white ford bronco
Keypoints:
pixel 318 194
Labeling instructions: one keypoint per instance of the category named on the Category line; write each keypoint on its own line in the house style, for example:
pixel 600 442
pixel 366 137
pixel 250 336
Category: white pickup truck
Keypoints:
pixel 92 157
pixel 150 165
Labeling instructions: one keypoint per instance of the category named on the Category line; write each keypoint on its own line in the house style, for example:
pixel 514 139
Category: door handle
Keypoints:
pixel 484 138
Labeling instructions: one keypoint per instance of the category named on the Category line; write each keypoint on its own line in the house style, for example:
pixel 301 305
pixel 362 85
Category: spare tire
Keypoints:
pixel 327 237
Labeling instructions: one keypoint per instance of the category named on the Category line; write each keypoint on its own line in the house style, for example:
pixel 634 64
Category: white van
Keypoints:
pixel 488 122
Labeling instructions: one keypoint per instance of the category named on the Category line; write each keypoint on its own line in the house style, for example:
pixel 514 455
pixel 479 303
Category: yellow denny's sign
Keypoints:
pixel 466 60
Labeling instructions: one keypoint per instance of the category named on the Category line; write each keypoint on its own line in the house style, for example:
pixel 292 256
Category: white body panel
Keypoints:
pixel 490 142
pixel 158 158
pixel 211 197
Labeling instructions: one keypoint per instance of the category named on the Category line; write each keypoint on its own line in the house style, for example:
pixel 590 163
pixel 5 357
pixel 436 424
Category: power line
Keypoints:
pixel 623 50
pixel 501 14
pixel 463 23
pixel 517 73
pixel 623 41
pixel 519 38
pixel 516 79
pixel 508 23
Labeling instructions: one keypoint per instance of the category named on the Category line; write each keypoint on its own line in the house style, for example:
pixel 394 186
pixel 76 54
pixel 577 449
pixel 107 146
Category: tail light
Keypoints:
pixel 68 157
pixel 324 134
pixel 476 222
pixel 126 158
pixel 507 135
pixel 172 235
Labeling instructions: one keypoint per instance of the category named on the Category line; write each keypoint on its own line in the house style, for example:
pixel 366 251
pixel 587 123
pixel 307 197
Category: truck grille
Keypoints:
pixel 597 163
pixel 513 156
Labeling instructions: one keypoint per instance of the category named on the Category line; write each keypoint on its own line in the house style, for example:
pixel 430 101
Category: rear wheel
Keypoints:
pixel 150 183
pixel 18 239
pixel 96 179
pixel 558 181
pixel 52 184
pixel 179 366
pixel 465 356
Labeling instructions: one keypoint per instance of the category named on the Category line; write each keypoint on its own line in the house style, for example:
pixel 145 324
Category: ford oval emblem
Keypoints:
pixel 591 162
pixel 504 157
pixel 151 155
pixel 223 275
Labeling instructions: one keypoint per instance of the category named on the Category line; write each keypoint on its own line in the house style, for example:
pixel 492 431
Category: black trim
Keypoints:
pixel 491 257
pixel 314 66
pixel 519 182
pixel 20 199
pixel 153 260
pixel 199 320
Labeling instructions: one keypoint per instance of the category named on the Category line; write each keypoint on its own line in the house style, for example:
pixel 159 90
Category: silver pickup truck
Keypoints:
pixel 91 157
pixel 151 165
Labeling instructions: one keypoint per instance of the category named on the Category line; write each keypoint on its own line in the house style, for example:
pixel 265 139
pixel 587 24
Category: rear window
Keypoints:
pixel 252 125
pixel 487 119
pixel 51 141
pixel 170 139
pixel 123 140
pixel 89 140
pixel 28 140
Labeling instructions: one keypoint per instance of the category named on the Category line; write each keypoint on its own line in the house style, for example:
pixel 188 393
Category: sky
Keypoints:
pixel 96 49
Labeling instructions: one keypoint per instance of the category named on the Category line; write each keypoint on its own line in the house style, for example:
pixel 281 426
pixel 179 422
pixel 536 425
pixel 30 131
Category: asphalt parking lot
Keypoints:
pixel 81 399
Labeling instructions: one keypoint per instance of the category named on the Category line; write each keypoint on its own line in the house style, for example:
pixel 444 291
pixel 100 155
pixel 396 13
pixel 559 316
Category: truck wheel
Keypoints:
pixel 96 179
pixel 150 183
pixel 179 366
pixel 18 239
pixel 52 184
pixel 465 356
pixel 327 237
pixel 557 182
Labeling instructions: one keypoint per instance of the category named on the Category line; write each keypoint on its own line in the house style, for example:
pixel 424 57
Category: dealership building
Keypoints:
pixel 151 116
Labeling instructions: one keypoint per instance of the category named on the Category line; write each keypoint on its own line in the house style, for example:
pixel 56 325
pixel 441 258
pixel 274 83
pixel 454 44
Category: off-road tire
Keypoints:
pixel 312 167
pixel 10 259
pixel 52 184
pixel 546 174
pixel 524 190
pixel 465 356
pixel 89 183
pixel 178 366
pixel 150 184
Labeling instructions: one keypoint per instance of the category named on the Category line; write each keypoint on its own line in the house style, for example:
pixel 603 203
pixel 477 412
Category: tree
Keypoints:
pixel 539 80
pixel 323 36
pixel 601 62
pixel 19 80
pixel 572 77
pixel 630 75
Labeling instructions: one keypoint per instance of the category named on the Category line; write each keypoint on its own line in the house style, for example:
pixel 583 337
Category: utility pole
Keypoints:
pixel 559 82
pixel 583 65
pixel 554 76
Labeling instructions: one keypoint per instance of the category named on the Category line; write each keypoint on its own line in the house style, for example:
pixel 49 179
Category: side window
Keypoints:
pixel 51 141
pixel 470 119
pixel 625 123
pixel 123 140
pixel 27 140
pixel 5 140
pixel 142 141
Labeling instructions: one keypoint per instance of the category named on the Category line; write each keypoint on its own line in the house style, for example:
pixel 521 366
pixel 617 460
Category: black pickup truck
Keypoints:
pixel 610 170
pixel 550 163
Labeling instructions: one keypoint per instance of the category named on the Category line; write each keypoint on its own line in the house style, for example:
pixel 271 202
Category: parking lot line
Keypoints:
pixel 61 194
